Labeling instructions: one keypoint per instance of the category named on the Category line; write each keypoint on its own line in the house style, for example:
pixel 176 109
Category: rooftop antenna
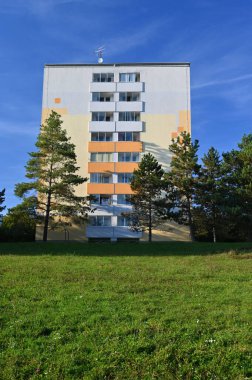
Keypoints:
pixel 99 53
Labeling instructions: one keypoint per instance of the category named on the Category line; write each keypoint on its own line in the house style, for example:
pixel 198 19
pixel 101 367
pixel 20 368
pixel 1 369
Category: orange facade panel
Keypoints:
pixel 94 146
pixel 100 188
pixel 174 135
pixel 125 167
pixel 129 146
pixel 101 167
pixel 123 188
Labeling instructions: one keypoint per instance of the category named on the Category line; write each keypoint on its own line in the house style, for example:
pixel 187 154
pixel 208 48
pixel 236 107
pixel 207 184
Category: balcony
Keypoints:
pixel 101 167
pixel 129 146
pixel 125 167
pixel 130 86
pixel 100 188
pixel 129 126
pixel 99 232
pixel 111 232
pixel 101 126
pixel 123 188
pixel 102 87
pixel 129 106
pixel 99 146
pixel 102 106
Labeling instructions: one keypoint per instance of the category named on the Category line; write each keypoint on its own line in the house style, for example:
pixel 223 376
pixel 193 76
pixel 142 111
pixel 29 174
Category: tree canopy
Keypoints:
pixel 147 183
pixel 52 171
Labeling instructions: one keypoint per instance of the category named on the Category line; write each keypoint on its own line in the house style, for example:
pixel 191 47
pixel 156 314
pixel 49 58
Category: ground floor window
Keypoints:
pixel 99 220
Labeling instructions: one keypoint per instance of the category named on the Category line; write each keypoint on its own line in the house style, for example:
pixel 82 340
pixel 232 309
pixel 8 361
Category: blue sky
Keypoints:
pixel 214 35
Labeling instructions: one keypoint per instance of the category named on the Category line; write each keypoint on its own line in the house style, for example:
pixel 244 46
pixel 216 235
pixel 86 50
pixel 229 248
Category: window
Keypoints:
pixel 129 116
pixel 102 199
pixel 122 221
pixel 129 96
pixel 103 221
pixel 101 157
pixel 129 77
pixel 125 177
pixel 102 116
pixel 100 178
pixel 102 97
pixel 103 77
pixel 128 136
pixel 128 157
pixel 101 136
pixel 123 199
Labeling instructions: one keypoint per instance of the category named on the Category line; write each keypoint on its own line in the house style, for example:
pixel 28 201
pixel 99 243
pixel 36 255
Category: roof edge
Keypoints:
pixel 118 64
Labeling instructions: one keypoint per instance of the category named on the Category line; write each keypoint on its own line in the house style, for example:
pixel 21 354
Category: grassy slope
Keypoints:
pixel 126 311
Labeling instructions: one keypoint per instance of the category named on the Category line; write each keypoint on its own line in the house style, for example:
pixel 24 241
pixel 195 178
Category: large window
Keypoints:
pixel 100 178
pixel 128 157
pixel 101 157
pixel 129 116
pixel 101 199
pixel 103 77
pixel 102 116
pixel 123 199
pixel 125 177
pixel 102 97
pixel 101 136
pixel 128 136
pixel 129 77
pixel 129 96
pixel 122 221
pixel 103 221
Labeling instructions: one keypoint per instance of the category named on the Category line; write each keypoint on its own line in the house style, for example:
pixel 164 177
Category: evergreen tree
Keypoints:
pixel 181 180
pixel 237 167
pixel 52 171
pixel 2 199
pixel 210 192
pixel 147 183
pixel 19 224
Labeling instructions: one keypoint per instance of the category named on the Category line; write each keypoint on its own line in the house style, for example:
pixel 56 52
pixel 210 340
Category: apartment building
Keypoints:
pixel 114 113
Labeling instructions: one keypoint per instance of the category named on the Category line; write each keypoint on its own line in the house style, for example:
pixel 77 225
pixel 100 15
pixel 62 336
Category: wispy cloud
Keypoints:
pixel 42 7
pixel 221 82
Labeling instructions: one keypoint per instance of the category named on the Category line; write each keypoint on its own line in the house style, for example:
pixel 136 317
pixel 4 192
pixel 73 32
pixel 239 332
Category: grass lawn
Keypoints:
pixel 125 311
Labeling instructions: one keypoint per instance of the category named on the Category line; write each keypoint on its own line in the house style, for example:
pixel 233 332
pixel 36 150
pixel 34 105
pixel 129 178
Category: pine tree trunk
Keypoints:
pixel 48 206
pixel 150 225
pixel 190 221
pixel 214 234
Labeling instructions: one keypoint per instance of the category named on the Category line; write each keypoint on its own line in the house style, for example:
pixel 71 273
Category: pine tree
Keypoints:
pixel 147 184
pixel 181 179
pixel 210 192
pixel 52 171
pixel 2 199
pixel 237 167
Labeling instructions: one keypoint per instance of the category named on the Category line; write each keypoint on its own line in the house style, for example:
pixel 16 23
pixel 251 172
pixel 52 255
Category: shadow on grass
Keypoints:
pixel 121 249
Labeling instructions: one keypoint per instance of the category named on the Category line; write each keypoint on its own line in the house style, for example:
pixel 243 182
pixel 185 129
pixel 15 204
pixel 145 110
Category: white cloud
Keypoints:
pixel 221 82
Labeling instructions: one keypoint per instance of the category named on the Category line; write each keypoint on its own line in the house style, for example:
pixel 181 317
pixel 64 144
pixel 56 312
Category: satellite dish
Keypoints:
pixel 99 53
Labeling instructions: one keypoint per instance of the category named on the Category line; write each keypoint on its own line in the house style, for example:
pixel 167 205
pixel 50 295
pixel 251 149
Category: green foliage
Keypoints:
pixel 2 199
pixel 182 178
pixel 52 171
pixel 147 183
pixel 19 223
pixel 210 194
pixel 237 167
pixel 86 313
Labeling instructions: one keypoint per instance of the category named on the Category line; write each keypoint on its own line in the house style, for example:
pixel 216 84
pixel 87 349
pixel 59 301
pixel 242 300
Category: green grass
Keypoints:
pixel 125 311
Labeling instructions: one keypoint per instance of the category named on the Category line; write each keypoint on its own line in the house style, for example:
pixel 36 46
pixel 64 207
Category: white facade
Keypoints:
pixel 114 113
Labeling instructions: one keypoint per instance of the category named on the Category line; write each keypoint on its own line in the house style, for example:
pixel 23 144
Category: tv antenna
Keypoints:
pixel 99 53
